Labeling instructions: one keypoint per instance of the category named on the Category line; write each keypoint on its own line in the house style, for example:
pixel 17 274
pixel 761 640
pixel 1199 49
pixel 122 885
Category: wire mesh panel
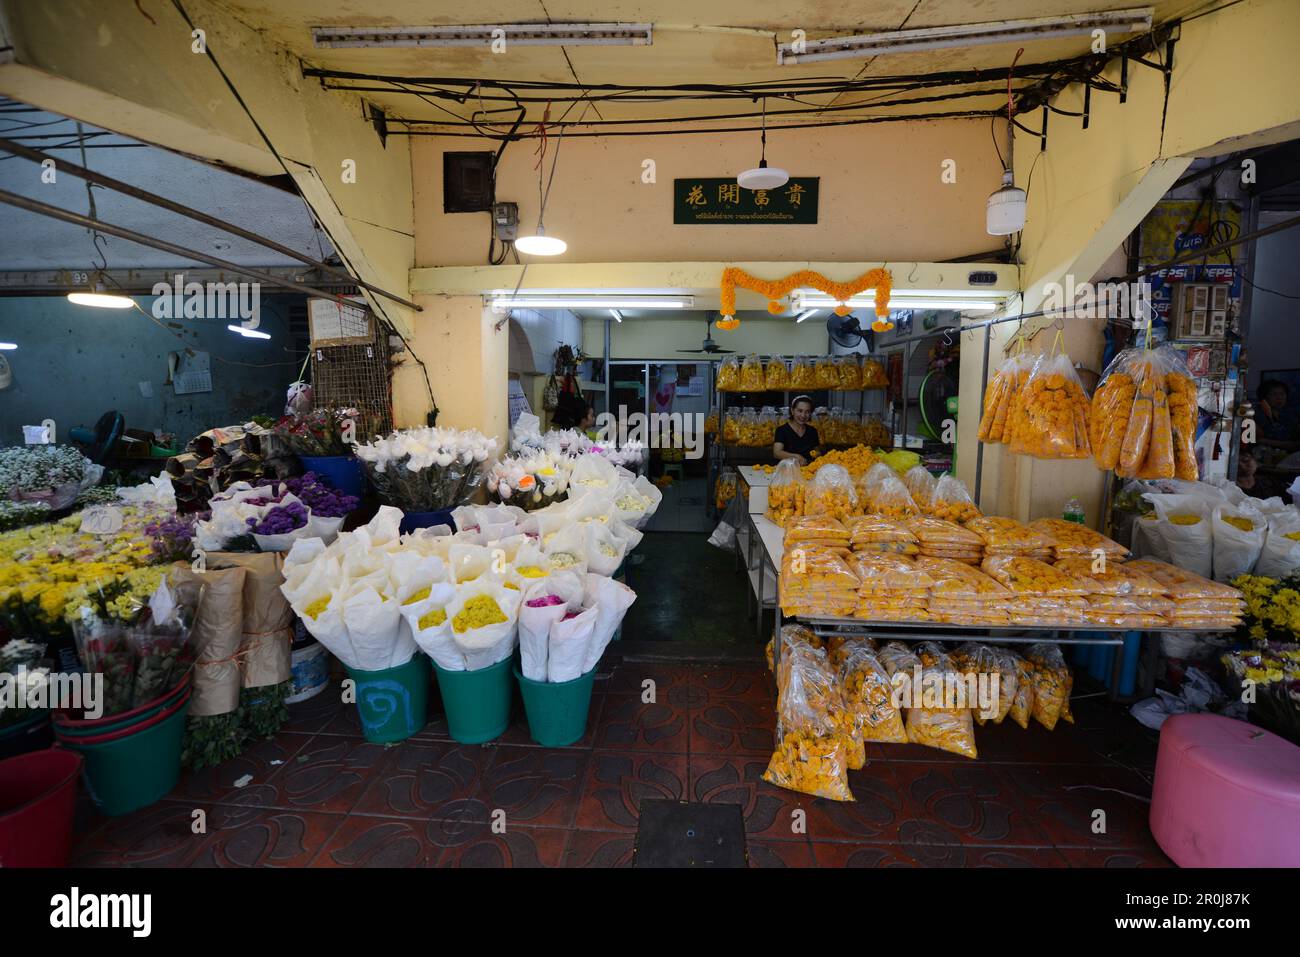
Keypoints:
pixel 357 376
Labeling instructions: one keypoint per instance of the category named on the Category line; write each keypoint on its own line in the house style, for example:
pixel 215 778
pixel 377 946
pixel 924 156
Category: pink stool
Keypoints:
pixel 1227 794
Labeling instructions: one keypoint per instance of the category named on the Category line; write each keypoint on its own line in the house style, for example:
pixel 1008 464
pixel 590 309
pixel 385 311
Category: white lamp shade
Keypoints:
pixel 541 245
pixel 763 177
pixel 1006 209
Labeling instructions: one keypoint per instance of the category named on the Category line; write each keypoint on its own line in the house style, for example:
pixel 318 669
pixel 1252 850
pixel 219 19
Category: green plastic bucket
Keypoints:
pixel 393 704
pixel 557 713
pixel 74 728
pixel 477 703
pixel 137 769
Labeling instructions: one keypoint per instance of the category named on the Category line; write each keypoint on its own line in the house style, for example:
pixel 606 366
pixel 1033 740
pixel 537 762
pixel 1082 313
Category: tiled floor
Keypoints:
pixel 319 795
pixel 682 508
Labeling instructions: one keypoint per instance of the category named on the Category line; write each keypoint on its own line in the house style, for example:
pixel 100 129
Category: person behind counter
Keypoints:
pixel 573 412
pixel 1274 417
pixel 797 439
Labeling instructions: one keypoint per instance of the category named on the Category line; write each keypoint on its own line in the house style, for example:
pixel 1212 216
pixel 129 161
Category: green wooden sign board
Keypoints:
pixel 722 201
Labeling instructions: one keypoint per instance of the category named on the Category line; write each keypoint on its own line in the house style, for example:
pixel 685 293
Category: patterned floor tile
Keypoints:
pixel 1129 857
pixel 535 785
pixel 618 781
pixel 258 837
pixel 740 725
pixel 770 813
pixel 330 773
pixel 1065 801
pixel 422 779
pixel 630 677
pixel 378 842
pixel 628 724
pixel 517 847
pixel 599 849
pixel 844 854
pixel 780 854
pixel 256 766
pixel 964 804
pixel 161 835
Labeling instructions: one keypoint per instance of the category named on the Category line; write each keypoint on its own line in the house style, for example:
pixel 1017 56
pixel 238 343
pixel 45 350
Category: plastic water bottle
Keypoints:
pixel 1074 511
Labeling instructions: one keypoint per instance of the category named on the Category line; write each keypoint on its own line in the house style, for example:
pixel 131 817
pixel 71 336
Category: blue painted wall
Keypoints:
pixel 73 363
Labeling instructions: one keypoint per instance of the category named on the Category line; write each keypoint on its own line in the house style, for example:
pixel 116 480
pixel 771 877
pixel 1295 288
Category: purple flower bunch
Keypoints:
pixel 171 538
pixel 323 501
pixel 280 520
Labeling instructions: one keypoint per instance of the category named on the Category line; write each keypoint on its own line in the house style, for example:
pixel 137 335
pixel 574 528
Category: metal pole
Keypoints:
pixel 31 205
pixel 90 176
pixel 979 446
pixel 609 386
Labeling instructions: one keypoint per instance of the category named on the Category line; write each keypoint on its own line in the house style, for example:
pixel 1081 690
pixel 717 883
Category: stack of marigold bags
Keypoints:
pixel 975 660
pixel 1006 536
pixel 867 692
pixel 939 538
pixel 816 531
pixel 871 533
pixel 1197 602
pixel 891 588
pixel 1070 539
pixel 814 751
pixel 817 582
pixel 940 712
pixel 1119 595
pixel 1053 682
pixel 963 595
pixel 1041 594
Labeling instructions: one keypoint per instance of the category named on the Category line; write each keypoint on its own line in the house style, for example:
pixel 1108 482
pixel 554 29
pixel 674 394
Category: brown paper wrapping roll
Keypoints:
pixel 218 633
pixel 268 620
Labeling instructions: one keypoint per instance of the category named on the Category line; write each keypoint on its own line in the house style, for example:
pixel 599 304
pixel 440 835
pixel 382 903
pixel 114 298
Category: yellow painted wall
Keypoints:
pixel 661 338
pixel 881 195
pixel 467 357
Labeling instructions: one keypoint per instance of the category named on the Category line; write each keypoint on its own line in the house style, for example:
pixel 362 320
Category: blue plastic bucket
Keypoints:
pixel 343 472
pixel 393 704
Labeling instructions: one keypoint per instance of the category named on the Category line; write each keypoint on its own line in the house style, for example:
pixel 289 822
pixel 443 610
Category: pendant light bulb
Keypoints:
pixel 540 244
pixel 764 176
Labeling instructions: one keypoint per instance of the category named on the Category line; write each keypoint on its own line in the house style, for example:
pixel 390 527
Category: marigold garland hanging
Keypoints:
pixel 881 280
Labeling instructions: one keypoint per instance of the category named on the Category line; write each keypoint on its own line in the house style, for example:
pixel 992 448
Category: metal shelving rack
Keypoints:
pixel 721 454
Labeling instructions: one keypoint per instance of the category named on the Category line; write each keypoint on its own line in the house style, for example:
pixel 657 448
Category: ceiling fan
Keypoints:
pixel 709 345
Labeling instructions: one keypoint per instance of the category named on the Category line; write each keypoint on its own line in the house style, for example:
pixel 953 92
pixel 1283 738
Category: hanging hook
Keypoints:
pixel 103 258
pixel 911 277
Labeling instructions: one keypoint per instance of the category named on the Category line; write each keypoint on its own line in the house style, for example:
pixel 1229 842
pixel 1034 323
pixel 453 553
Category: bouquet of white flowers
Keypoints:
pixel 426 470
pixel 53 474
pixel 530 481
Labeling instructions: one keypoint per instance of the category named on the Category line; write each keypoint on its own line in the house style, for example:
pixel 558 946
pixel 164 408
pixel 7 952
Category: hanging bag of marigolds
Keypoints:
pixel 1049 417
pixel 995 423
pixel 1143 421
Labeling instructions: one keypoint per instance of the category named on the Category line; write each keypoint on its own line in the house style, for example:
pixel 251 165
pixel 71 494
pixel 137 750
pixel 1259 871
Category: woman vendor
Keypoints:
pixel 797 439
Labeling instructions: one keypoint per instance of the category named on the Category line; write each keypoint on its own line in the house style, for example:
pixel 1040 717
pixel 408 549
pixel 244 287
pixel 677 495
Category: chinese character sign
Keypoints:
pixel 706 201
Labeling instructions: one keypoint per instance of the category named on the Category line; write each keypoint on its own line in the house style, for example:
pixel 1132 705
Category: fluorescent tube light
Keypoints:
pixel 249 333
pixel 895 302
pixel 1132 20
pixel 616 314
pixel 806 314
pixel 485 34
pixel 101 300
pixel 8 345
pixel 592 302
